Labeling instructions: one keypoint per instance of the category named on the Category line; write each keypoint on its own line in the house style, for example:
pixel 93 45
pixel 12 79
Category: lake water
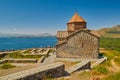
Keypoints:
pixel 23 43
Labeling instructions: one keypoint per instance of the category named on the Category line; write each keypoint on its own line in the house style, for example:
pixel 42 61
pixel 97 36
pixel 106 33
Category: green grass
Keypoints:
pixel 27 51
pixel 19 55
pixel 117 60
pixel 7 66
pixel 1 58
pixel 106 63
pixel 110 43
pixel 101 69
pixel 115 76
pixel 111 54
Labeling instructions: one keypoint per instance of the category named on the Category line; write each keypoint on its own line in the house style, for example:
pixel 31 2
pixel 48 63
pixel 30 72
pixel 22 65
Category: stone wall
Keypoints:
pixel 41 60
pixel 2 55
pixel 51 70
pixel 76 26
pixel 18 61
pixel 79 45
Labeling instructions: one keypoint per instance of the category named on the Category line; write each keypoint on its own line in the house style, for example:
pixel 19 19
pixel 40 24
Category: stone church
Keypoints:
pixel 77 41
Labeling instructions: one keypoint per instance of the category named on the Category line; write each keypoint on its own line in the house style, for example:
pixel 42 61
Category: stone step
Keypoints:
pixel 80 66
pixel 99 61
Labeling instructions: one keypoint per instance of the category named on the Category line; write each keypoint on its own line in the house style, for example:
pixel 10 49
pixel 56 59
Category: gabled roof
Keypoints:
pixel 92 32
pixel 61 42
pixel 62 34
pixel 76 18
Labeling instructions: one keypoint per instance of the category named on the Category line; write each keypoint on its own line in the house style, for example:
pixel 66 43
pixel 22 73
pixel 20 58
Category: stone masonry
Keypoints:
pixel 77 41
pixel 50 70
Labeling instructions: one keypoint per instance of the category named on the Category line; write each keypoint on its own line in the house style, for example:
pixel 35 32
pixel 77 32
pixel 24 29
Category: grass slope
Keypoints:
pixel 110 32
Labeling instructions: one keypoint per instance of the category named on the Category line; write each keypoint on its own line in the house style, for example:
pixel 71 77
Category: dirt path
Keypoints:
pixel 115 67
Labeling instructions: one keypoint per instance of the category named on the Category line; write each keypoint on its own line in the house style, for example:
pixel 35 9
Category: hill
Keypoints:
pixel 110 32
pixel 45 35
pixel 25 35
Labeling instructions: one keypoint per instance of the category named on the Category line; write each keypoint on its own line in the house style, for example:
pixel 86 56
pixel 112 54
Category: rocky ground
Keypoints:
pixel 101 72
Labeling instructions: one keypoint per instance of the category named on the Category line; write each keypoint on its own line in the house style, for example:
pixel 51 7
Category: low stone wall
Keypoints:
pixel 2 61
pixel 99 61
pixel 41 60
pixel 3 54
pixel 74 59
pixel 19 61
pixel 34 54
pixel 80 66
pixel 51 70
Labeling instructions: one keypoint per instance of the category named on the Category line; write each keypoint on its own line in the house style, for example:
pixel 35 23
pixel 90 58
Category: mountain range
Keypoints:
pixel 104 32
pixel 110 32
pixel 25 35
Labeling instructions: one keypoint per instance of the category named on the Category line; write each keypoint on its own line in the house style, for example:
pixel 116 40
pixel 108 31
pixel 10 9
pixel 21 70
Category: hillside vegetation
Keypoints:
pixel 109 70
pixel 110 32
pixel 110 43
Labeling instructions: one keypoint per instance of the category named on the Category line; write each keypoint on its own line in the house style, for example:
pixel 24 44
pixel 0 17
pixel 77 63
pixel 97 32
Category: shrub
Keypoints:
pixel 7 66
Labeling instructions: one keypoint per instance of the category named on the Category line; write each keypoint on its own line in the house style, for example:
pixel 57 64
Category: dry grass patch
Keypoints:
pixel 115 76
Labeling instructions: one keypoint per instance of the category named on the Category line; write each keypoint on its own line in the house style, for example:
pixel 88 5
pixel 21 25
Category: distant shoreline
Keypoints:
pixel 20 43
pixel 29 37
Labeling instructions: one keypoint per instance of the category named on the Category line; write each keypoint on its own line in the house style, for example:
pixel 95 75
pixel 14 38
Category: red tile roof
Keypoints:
pixel 76 18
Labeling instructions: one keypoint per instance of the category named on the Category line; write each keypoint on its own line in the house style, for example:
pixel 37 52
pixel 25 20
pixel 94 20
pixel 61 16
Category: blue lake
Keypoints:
pixel 23 43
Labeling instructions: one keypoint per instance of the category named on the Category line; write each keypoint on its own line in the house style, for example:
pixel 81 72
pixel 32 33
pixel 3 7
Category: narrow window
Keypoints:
pixel 82 44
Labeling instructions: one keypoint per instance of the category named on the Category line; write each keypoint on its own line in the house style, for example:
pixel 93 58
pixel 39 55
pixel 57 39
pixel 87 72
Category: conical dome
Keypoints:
pixel 76 18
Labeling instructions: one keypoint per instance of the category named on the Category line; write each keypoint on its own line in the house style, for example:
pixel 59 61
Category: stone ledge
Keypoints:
pixel 41 60
pixel 99 61
pixel 54 70
pixel 74 59
pixel 85 64
pixel 18 61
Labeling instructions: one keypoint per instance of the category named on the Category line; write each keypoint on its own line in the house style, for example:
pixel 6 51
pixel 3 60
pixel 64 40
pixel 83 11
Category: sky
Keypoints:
pixel 49 16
